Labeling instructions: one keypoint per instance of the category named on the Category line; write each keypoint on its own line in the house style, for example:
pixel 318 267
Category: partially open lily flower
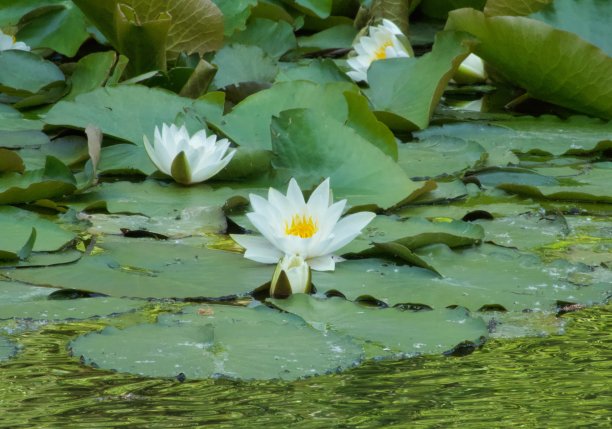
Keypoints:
pixel 383 42
pixel 311 230
pixel 471 70
pixel 292 275
pixel 8 42
pixel 188 159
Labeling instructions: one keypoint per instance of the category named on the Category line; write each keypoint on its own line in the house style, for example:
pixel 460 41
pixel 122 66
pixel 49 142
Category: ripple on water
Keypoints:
pixel 555 381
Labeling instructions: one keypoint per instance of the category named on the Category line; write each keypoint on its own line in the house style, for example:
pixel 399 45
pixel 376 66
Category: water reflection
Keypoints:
pixel 556 381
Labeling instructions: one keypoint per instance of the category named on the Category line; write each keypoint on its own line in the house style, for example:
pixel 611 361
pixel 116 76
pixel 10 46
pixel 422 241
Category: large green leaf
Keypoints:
pixel 91 72
pixel 526 52
pixel 590 19
pixel 54 180
pixel 24 73
pixel 197 25
pixel 17 225
pixel 248 124
pixel 148 268
pixel 405 91
pixel 235 14
pixel 61 27
pixel 439 9
pixel 476 278
pixel 273 37
pixel 592 184
pixel 21 301
pixel 513 7
pixel 240 64
pixel 313 146
pixel 13 11
pixel 129 111
pixel 220 341
pixel 388 332
pixel 546 134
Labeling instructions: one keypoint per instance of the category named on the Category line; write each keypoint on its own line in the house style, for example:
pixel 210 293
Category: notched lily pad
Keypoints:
pixel 220 341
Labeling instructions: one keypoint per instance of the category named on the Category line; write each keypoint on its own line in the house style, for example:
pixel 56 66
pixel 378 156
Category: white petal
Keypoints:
pixel 322 263
pixel 294 194
pixel 348 228
pixel 319 198
pixel 258 249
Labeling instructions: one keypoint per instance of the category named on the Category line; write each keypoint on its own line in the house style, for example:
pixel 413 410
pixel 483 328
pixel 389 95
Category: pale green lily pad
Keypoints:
pixel 54 180
pixel 475 278
pixel 130 111
pixel 24 73
pixel 389 331
pixel 155 199
pixel 273 37
pixel 7 348
pixel 313 146
pixel 590 185
pixel 147 268
pixel 235 14
pixel 405 91
pixel 526 52
pixel 248 124
pixel 19 301
pixel 445 192
pixel 414 233
pixel 526 231
pixel 241 64
pixel 220 341
pixel 17 225
pixel 22 138
pixel 44 259
pixel 317 70
pixel 91 72
pixel 337 37
pixel 440 156
pixel 577 135
pixel 125 159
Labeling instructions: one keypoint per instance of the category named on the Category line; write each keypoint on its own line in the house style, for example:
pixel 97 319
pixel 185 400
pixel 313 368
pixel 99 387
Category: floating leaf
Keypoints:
pixel 514 8
pixel 273 37
pixel 389 331
pixel 23 73
pixel 220 341
pixel 525 52
pixel 147 268
pixel 405 91
pixel 313 146
pixel 235 14
pixel 239 64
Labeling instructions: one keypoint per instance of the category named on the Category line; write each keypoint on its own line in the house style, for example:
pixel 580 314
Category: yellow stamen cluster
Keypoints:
pixel 380 53
pixel 301 226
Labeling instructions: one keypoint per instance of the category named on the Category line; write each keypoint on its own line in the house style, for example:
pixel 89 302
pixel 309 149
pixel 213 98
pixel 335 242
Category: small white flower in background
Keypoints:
pixel 311 230
pixel 471 70
pixel 8 42
pixel 292 275
pixel 188 159
pixel 383 42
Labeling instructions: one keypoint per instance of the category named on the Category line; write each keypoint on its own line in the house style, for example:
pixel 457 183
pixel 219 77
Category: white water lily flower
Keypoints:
pixel 292 275
pixel 382 43
pixel 471 70
pixel 8 42
pixel 188 159
pixel 312 230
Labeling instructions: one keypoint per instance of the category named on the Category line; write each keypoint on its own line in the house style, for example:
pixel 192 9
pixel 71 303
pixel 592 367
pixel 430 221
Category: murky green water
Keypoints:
pixel 555 381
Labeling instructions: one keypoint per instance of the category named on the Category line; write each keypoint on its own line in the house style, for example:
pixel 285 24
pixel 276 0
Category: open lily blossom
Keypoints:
pixel 8 42
pixel 383 42
pixel 471 70
pixel 312 230
pixel 188 159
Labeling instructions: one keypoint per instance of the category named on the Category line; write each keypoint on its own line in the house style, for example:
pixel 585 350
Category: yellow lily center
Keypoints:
pixel 380 53
pixel 301 226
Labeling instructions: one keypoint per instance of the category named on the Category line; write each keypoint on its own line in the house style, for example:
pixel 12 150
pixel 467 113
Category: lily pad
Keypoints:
pixel 405 91
pixel 24 73
pixel 525 51
pixel 312 146
pixel 240 64
pixel 147 268
pixel 248 124
pixel 220 341
pixel 389 331
pixel 235 14
pixel 590 185
pixel 129 111
pixel 475 278
pixel 273 37
pixel 27 302
pixel 17 225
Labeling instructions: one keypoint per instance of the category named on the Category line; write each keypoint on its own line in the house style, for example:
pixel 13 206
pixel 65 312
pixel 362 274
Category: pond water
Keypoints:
pixel 553 381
